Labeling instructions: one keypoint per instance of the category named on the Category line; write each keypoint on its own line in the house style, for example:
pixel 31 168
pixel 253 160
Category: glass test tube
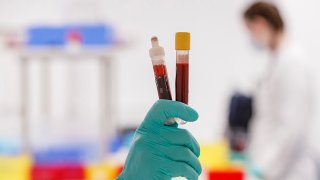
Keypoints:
pixel 182 67
pixel 160 72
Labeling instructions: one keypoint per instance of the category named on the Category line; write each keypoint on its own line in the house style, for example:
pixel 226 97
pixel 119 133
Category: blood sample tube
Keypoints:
pixel 160 69
pixel 160 72
pixel 182 43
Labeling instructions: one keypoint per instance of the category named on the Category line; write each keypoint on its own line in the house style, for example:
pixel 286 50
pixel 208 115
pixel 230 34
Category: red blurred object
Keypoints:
pixel 56 172
pixel 119 170
pixel 74 36
pixel 226 175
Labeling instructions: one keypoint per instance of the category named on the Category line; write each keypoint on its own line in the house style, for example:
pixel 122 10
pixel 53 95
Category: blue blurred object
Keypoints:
pixel 128 138
pixel 94 35
pixel 91 34
pixel 66 154
pixel 241 111
pixel 9 147
pixel 46 35
pixel 240 114
pixel 116 144
pixel 122 139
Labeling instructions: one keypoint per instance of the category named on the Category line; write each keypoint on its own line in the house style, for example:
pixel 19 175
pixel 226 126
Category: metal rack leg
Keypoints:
pixel 106 125
pixel 24 93
pixel 45 89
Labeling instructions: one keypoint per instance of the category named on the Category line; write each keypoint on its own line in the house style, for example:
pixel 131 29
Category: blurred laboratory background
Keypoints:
pixel 76 79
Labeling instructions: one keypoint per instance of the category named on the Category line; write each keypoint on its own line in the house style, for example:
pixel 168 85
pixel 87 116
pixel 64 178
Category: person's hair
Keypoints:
pixel 267 11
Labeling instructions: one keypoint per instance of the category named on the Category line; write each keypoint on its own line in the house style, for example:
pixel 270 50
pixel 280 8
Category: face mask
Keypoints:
pixel 256 45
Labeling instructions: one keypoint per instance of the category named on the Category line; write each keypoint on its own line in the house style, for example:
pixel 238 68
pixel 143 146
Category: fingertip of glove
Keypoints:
pixel 193 115
pixel 178 108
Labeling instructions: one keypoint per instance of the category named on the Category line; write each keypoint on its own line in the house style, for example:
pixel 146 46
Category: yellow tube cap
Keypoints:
pixel 182 41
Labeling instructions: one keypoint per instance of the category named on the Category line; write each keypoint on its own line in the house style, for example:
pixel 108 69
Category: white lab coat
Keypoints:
pixel 283 110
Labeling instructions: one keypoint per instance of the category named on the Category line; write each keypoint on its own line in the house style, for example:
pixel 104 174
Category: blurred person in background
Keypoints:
pixel 282 100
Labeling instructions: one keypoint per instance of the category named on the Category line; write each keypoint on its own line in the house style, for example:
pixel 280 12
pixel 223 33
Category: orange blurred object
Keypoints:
pixel 102 172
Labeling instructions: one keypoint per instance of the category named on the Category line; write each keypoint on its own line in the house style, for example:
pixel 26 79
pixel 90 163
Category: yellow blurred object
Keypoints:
pixel 101 172
pixel 182 41
pixel 15 167
pixel 215 156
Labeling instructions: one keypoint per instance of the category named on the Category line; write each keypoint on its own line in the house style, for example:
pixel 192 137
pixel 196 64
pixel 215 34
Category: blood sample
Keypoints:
pixel 182 82
pixel 160 73
pixel 160 69
pixel 182 66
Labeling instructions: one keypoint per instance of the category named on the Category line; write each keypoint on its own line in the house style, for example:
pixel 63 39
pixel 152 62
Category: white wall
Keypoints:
pixel 221 58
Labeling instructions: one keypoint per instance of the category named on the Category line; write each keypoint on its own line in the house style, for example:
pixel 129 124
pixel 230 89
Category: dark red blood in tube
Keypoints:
pixel 160 72
pixel 182 82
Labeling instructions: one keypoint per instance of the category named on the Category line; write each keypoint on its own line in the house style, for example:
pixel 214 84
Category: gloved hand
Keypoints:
pixel 161 152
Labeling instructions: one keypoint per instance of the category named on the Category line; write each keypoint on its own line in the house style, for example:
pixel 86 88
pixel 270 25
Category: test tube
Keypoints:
pixel 160 72
pixel 182 42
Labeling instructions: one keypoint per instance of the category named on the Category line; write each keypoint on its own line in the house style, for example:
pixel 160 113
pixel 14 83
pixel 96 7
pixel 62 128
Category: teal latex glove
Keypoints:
pixel 161 152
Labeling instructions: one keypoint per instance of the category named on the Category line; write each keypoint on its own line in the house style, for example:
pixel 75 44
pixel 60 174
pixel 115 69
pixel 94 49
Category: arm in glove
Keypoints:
pixel 161 152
